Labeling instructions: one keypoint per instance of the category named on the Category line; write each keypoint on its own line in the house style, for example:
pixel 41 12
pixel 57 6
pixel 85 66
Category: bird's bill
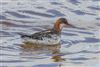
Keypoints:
pixel 69 26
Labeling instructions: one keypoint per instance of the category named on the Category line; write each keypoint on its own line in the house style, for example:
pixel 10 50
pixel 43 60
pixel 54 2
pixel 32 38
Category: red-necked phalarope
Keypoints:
pixel 47 37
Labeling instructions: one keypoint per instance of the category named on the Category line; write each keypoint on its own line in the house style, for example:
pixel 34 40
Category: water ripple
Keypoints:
pixel 97 18
pixel 94 8
pixel 87 40
pixel 7 23
pixel 81 52
pixel 75 2
pixel 80 58
pixel 17 14
pixel 39 7
pixel 95 0
pixel 36 13
pixel 12 61
pixel 47 65
pixel 79 12
pixel 91 40
pixel 4 34
pixel 2 17
pixel 56 3
pixel 69 34
pixel 10 48
pixel 55 12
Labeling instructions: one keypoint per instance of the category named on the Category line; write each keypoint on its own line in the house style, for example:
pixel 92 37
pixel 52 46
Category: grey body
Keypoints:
pixel 46 37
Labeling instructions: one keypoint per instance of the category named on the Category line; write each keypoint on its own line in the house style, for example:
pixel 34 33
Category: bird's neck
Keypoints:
pixel 57 27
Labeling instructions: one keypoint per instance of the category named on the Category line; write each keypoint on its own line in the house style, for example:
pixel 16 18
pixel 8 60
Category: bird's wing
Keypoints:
pixel 40 35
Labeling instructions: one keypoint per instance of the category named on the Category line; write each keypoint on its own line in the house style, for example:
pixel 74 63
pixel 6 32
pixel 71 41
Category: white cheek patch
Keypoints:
pixel 62 25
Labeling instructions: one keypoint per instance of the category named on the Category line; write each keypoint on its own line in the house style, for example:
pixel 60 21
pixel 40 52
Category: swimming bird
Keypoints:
pixel 47 37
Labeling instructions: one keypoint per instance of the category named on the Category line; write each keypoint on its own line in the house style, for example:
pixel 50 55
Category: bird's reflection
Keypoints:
pixel 33 49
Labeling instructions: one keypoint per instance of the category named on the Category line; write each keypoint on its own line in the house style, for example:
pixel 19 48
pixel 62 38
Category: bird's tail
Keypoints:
pixel 23 35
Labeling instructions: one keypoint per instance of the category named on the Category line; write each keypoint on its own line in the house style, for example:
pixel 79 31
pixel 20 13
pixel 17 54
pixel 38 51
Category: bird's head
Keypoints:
pixel 60 23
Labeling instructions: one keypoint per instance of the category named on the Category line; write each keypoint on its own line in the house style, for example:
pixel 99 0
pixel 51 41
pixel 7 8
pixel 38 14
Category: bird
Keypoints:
pixel 47 37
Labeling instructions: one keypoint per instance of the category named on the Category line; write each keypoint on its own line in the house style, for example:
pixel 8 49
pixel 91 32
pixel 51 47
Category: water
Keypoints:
pixel 80 46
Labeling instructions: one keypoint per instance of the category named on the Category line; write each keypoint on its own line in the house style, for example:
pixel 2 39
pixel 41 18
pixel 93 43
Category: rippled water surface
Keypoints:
pixel 80 46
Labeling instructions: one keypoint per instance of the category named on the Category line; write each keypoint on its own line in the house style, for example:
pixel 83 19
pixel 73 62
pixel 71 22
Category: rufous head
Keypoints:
pixel 60 23
pixel 63 21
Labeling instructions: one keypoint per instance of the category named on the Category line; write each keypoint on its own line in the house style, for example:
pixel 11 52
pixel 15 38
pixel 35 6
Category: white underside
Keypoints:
pixel 45 41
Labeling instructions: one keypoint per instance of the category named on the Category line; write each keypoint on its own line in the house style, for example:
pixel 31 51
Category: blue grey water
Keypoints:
pixel 80 46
